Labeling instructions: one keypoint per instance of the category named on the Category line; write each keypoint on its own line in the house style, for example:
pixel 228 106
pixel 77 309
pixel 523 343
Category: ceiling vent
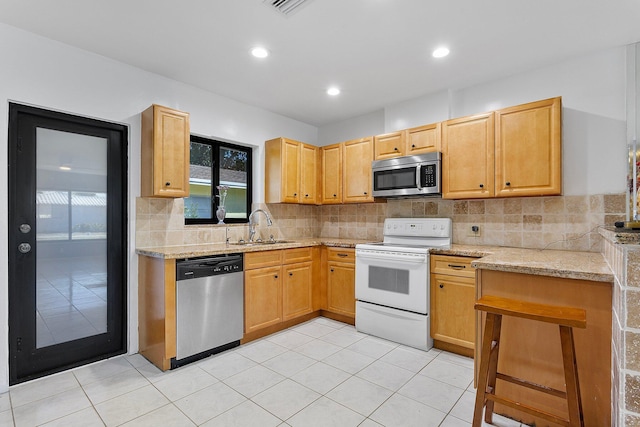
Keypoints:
pixel 285 7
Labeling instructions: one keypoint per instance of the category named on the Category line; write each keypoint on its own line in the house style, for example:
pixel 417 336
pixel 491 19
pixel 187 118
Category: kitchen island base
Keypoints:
pixel 537 347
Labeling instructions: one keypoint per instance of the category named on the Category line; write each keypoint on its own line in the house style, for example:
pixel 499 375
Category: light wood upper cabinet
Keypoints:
pixel 165 148
pixel 357 175
pixel 282 171
pixel 389 145
pixel 331 174
pixel 309 174
pixel 422 139
pixel 528 149
pixel 468 157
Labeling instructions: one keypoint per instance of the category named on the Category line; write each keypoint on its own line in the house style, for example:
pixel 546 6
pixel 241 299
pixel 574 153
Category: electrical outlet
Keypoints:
pixel 474 231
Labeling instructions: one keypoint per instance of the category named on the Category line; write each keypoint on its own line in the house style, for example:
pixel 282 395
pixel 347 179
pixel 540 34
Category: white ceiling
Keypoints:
pixel 377 51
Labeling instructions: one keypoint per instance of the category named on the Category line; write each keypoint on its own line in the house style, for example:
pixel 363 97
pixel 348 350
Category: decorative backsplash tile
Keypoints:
pixel 561 222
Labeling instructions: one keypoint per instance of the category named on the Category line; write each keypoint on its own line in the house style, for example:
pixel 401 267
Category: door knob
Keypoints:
pixel 25 228
pixel 24 248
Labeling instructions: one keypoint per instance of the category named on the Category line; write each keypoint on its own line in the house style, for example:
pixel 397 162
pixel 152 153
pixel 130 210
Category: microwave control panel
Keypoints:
pixel 429 176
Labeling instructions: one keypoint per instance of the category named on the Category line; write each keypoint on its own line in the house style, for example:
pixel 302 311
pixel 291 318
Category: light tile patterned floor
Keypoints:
pixel 321 373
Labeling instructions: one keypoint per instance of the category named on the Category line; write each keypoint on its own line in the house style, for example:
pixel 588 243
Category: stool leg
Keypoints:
pixel 493 367
pixel 571 377
pixel 488 366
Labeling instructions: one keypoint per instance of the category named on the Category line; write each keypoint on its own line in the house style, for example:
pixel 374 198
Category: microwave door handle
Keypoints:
pixel 418 186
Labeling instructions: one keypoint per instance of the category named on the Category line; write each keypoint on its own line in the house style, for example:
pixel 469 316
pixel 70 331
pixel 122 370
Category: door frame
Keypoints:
pixel 115 340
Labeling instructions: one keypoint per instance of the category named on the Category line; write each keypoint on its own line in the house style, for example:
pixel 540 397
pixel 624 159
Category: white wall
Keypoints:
pixel 55 76
pixel 594 118
pixel 417 112
pixel 357 127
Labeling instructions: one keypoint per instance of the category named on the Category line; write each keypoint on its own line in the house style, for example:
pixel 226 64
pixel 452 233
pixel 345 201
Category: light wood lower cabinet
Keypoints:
pixel 340 282
pixel 452 298
pixel 263 298
pixel 297 290
pixel 279 289
pixel 531 350
pixel 157 310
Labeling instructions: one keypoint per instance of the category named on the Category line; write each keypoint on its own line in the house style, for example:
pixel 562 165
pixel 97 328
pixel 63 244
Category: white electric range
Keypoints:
pixel 392 280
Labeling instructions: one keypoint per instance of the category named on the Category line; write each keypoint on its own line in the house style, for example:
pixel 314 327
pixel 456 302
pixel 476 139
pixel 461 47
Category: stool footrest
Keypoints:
pixel 528 409
pixel 532 385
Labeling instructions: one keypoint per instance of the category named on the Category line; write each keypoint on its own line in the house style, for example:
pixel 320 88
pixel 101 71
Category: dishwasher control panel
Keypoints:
pixel 193 268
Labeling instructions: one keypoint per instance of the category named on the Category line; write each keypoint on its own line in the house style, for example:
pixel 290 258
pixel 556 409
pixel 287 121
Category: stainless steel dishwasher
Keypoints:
pixel 209 306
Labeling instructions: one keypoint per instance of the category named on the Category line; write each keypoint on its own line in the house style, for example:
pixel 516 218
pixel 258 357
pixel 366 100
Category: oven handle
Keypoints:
pixel 391 257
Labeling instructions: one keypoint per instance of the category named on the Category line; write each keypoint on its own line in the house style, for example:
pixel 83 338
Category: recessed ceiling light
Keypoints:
pixel 333 91
pixel 259 52
pixel 440 52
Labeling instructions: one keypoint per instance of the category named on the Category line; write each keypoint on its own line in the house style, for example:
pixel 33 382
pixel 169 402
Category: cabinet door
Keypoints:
pixel 309 174
pixel 452 312
pixel 422 139
pixel 290 171
pixel 332 174
pixel 468 157
pixel 341 293
pixel 165 153
pixel 528 149
pixel 262 298
pixel 357 175
pixel 297 290
pixel 388 145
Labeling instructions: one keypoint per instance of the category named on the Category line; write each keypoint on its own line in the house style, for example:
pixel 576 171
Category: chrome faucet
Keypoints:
pixel 252 224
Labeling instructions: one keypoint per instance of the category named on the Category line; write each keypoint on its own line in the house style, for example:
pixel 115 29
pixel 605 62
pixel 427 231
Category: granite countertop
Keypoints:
pixel 566 264
pixel 191 251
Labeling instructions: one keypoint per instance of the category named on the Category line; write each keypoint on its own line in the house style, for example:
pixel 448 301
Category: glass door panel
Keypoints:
pixel 71 224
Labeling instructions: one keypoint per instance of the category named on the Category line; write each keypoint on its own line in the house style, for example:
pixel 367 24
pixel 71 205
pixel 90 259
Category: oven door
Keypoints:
pixel 393 279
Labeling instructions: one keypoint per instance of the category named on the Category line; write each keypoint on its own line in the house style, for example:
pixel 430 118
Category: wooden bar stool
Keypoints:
pixel 567 318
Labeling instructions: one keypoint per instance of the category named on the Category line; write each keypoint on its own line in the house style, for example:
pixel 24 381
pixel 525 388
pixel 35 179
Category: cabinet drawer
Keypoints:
pixel 341 254
pixel 452 265
pixel 290 256
pixel 262 259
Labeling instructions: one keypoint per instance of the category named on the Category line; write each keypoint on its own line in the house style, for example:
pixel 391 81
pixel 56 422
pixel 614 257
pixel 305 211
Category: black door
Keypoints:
pixel 67 241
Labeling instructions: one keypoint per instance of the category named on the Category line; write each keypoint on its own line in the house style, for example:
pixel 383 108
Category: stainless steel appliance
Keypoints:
pixel 407 176
pixel 209 306
pixel 392 280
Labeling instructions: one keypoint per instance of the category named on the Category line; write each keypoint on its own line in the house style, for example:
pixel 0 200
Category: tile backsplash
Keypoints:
pixel 559 222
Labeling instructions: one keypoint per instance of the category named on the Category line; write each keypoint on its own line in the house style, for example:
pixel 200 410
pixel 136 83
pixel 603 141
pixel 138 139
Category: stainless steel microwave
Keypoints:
pixel 408 176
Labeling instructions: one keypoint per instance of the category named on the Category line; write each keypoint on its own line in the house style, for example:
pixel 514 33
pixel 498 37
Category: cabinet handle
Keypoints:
pixel 275 277
pixel 335 195
pixel 306 195
pixel 481 185
pixel 365 193
pixel 343 255
pixel 456 266
pixel 290 274
pixel 507 183
pixel 295 194
pixel 167 184
pixel 331 270
pixel 395 148
pixel 441 286
pixel 413 145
